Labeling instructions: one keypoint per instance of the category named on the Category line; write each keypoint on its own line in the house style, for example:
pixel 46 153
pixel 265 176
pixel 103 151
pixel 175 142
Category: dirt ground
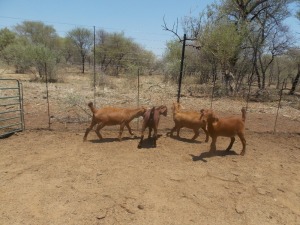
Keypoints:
pixel 53 177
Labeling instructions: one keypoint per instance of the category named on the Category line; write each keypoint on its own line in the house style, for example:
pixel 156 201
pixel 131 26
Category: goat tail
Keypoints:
pixel 91 106
pixel 243 114
pixel 151 116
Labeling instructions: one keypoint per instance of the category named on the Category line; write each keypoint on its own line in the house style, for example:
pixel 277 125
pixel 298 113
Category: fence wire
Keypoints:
pixel 63 105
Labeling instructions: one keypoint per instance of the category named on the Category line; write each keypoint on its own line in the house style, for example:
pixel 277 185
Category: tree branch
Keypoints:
pixel 174 31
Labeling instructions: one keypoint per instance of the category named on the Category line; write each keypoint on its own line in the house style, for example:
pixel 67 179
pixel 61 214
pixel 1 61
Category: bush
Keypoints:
pixel 19 56
pixel 45 62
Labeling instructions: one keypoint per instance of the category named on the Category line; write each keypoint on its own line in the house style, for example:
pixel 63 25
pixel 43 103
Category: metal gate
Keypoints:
pixel 11 107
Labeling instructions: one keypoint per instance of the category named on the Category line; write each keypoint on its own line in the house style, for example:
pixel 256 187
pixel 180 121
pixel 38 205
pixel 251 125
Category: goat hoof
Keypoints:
pixel 139 146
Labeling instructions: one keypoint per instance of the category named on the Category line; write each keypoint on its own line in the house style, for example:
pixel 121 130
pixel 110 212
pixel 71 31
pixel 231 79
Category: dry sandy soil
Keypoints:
pixel 52 177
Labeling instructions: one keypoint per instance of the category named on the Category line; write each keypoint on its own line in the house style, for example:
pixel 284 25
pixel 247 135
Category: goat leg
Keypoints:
pixel 154 137
pixel 243 140
pixel 178 130
pixel 121 131
pixel 142 136
pixel 213 144
pixel 207 135
pixel 140 143
pixel 99 127
pixel 231 143
pixel 172 131
pixel 129 129
pixel 196 131
pixel 87 131
pixel 243 152
pixel 149 135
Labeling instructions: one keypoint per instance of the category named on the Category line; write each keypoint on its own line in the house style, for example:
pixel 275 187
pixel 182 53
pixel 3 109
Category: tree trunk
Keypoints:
pixel 271 75
pixel 292 91
pixel 258 76
pixel 263 83
pixel 83 62
pixel 278 76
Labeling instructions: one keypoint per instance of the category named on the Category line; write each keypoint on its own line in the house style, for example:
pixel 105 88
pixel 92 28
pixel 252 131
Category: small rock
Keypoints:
pixel 101 216
pixel 279 189
pixel 235 173
pixel 239 209
pixel 140 207
pixel 261 191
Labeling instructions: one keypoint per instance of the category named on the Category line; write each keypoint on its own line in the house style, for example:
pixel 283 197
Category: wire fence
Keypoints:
pixel 63 106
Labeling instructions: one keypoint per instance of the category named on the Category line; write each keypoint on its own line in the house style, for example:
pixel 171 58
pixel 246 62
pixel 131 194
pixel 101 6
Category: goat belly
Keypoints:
pixel 225 131
pixel 112 123
pixel 228 133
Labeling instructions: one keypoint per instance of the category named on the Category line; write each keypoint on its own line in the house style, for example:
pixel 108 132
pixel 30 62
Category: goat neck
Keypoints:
pixel 134 113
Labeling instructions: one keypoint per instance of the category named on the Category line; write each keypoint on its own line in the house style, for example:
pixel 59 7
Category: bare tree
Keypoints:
pixel 295 82
pixel 174 30
pixel 294 54
pixel 269 37
pixel 297 78
pixel 82 39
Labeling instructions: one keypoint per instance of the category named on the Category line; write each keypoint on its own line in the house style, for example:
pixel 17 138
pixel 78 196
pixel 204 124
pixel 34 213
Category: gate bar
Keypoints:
pixel 10 111
pixel 18 97
pixel 11 125
pixel 11 118
pixel 10 104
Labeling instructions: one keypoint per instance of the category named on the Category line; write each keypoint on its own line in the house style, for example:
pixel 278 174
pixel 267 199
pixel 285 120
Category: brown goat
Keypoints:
pixel 226 127
pixel 192 120
pixel 110 116
pixel 151 120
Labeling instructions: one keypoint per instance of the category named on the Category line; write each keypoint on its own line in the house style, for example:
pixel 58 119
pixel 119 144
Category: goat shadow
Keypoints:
pixel 109 140
pixel 148 142
pixel 204 155
pixel 185 139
